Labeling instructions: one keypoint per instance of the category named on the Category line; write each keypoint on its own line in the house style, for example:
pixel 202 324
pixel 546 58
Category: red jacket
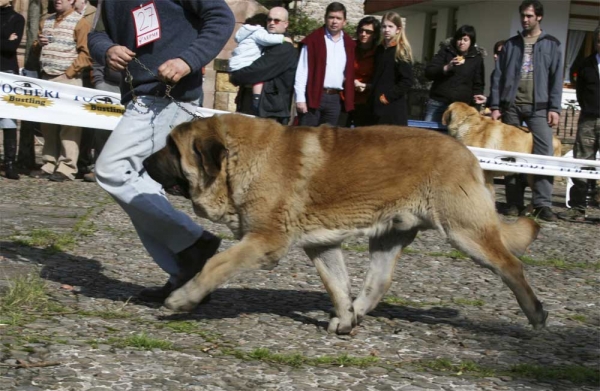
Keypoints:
pixel 317 56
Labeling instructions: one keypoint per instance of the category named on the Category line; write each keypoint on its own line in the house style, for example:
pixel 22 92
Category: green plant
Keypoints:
pixel 300 24
pixel 141 341
pixel 574 373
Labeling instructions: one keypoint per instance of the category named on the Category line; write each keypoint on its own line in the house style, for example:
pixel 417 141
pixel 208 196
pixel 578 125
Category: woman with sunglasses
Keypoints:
pixel 392 77
pixel 368 33
pixel 457 72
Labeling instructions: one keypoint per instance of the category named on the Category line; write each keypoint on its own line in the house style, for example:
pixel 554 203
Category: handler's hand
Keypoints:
pixel 117 57
pixel 553 118
pixel 173 70
pixel 496 114
pixel 301 107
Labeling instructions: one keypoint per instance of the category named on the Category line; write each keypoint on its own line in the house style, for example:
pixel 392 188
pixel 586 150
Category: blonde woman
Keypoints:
pixel 392 77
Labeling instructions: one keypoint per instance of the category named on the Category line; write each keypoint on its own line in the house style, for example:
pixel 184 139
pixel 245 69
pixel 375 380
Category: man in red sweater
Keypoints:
pixel 325 74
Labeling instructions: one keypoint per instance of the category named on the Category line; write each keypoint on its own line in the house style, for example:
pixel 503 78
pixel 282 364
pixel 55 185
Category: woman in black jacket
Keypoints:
pixel 457 72
pixel 392 77
pixel 11 33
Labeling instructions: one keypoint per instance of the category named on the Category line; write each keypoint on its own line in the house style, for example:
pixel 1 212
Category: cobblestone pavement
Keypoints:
pixel 445 324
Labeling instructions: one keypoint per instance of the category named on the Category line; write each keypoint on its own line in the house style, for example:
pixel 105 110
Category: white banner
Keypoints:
pixel 30 99
pixel 38 100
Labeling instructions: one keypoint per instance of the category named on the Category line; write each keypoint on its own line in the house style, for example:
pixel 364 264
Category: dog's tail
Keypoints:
pixel 518 236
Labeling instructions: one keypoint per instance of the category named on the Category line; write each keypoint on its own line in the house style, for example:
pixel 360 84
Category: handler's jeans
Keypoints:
pixel 537 122
pixel 163 230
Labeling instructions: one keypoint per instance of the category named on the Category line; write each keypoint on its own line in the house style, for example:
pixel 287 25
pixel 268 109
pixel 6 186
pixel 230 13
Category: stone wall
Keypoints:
pixel 316 8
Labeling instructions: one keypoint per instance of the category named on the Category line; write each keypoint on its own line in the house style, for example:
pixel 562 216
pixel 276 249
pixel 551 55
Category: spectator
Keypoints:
pixel 325 71
pixel 104 79
pixel 392 77
pixel 498 49
pixel 86 160
pixel 11 34
pixel 587 141
pixel 64 55
pixel 252 37
pixel 276 68
pixel 85 9
pixel 368 33
pixel 174 56
pixel 457 72
pixel 527 86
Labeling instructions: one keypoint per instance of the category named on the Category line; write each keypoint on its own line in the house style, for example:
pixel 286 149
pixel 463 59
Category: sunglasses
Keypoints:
pixel 368 32
pixel 274 20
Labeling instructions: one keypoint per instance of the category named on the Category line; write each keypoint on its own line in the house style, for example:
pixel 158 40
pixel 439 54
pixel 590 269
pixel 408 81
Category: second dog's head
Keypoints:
pixel 457 118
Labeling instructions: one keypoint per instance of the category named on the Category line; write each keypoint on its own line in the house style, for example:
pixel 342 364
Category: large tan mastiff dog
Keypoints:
pixel 475 130
pixel 274 185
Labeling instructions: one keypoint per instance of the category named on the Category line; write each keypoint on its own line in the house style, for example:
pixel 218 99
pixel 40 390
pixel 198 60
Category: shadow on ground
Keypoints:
pixel 88 274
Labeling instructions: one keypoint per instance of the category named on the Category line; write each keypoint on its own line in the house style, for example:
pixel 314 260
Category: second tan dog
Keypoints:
pixel 475 130
pixel 274 186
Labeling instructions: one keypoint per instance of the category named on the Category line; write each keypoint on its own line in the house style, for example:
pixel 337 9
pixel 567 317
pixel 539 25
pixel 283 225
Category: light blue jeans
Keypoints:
pixel 143 130
pixel 435 110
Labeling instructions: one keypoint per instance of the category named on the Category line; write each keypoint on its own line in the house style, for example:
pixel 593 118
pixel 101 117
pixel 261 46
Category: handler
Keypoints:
pixel 134 39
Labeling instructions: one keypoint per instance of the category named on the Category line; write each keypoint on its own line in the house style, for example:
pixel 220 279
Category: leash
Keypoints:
pixel 129 80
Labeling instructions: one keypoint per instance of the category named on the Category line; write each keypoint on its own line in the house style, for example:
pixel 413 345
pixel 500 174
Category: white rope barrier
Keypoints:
pixel 37 100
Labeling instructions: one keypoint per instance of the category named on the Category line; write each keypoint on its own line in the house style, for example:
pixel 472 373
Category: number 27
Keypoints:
pixel 141 16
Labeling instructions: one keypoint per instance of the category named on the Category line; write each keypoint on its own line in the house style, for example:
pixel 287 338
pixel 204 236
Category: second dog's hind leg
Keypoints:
pixel 384 252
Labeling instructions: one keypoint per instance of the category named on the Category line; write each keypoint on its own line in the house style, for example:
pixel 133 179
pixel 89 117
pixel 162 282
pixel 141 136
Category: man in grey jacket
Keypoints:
pixel 527 87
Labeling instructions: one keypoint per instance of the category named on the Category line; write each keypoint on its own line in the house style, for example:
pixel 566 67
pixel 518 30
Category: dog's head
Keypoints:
pixel 191 160
pixel 456 115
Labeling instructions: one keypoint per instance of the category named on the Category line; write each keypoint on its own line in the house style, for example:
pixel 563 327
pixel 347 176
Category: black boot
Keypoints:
pixel 10 153
pixel 191 261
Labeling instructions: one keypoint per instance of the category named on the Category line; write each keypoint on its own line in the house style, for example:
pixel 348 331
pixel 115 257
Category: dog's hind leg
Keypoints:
pixel 384 252
pixel 487 249
pixel 329 261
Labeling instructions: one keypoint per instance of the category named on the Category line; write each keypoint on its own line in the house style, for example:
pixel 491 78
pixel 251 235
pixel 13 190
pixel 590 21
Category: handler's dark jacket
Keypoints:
pixel 588 87
pixel 547 73
pixel 277 69
pixel 462 81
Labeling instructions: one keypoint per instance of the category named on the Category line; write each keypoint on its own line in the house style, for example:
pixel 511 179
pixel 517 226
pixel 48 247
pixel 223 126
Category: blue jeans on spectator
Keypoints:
pixel 143 130
pixel 434 110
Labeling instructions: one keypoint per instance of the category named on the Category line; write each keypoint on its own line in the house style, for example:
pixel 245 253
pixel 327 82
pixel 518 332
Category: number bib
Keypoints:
pixel 147 25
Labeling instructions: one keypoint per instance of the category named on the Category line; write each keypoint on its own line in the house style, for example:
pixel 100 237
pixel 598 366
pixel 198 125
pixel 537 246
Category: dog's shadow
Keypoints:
pixel 299 305
pixel 87 274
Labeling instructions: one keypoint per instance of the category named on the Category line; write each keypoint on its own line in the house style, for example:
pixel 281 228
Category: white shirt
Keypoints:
pixel 335 66
pixel 598 61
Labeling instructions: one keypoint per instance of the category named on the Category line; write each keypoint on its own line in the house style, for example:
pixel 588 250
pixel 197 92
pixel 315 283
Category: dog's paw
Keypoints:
pixel 179 300
pixel 338 327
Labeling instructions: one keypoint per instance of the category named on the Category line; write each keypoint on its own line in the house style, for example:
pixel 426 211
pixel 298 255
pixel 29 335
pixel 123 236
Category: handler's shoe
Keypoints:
pixel 544 213
pixel 191 261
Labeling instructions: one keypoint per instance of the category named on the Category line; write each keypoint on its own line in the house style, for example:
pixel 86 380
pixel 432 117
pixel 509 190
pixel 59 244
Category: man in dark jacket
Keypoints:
pixel 139 39
pixel 527 87
pixel 276 69
pixel 587 142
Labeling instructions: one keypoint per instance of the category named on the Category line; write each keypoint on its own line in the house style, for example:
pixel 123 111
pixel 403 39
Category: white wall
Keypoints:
pixel 415 32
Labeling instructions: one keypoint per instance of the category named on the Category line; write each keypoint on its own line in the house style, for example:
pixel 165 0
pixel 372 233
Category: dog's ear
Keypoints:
pixel 210 147
pixel 447 116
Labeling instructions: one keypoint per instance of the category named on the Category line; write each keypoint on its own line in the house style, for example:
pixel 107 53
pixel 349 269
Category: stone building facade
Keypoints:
pixel 316 8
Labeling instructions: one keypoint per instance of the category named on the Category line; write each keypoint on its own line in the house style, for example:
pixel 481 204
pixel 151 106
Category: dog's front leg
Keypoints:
pixel 255 251
pixel 329 262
